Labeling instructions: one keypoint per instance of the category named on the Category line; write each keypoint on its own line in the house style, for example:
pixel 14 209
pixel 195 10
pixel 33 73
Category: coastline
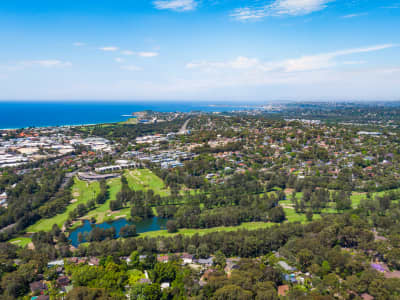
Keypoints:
pixel 17 115
pixel 66 125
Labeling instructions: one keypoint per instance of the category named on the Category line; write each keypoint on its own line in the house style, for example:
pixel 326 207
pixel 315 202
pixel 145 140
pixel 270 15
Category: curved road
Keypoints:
pixel 184 127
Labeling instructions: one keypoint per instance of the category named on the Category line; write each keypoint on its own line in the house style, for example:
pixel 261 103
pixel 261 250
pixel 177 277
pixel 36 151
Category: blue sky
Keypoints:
pixel 223 50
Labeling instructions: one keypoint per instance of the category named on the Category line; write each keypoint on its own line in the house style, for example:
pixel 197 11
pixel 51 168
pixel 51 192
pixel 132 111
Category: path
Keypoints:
pixel 66 179
pixel 184 127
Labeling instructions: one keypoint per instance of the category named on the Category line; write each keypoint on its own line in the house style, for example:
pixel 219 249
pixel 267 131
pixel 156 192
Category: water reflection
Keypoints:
pixel 152 224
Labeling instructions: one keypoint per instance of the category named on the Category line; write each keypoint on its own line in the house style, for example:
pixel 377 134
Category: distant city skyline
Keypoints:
pixel 200 50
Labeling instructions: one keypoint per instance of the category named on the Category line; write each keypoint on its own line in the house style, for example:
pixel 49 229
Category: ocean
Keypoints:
pixel 19 114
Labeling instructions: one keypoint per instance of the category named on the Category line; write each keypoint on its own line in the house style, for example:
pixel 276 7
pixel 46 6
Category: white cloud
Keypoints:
pixel 49 63
pixel 127 52
pixel 280 8
pixel 109 48
pixel 301 64
pixel 119 59
pixel 141 54
pixel 248 13
pixel 297 7
pixel 354 62
pixel 79 44
pixel 147 54
pixel 176 5
pixel 350 16
pixel 131 68
pixel 241 62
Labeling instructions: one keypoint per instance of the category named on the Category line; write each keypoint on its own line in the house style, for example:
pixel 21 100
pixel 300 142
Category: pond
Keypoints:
pixel 152 224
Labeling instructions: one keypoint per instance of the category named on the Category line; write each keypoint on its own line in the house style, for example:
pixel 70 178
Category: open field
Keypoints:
pixel 291 216
pixel 144 179
pixel 82 192
pixel 21 241
pixel 248 226
pixel 130 121
pixel 138 180
pixel 102 211
pixel 355 198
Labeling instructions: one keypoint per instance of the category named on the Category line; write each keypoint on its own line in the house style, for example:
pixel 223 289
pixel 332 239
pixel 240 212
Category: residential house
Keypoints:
pixel 94 261
pixel 366 296
pixel 208 262
pixel 283 290
pixel 165 285
pixel 63 281
pixel 145 281
pixel 38 286
pixel 285 266
pixel 187 258
pixel 56 263
pixel 163 258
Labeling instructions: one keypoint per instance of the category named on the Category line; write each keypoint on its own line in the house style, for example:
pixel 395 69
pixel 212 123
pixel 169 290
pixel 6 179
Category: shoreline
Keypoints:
pixel 120 116
pixel 66 125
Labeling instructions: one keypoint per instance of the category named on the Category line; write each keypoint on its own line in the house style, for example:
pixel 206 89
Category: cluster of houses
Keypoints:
pixel 30 147
pixel 91 176
pixel 165 158
pixel 188 259
pixel 294 148
pixel 94 143
pixel 305 121
pixel 384 269
pixel 42 143
pixel 150 139
pixel 39 289
pixel 119 165
pixel 11 159
pixel 291 276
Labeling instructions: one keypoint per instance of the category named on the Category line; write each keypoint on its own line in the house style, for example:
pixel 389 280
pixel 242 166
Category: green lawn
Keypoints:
pixel 102 212
pixel 82 192
pixel 139 180
pixel 144 179
pixel 292 216
pixel 248 226
pixel 21 241
pixel 130 121
pixel 383 192
pixel 356 198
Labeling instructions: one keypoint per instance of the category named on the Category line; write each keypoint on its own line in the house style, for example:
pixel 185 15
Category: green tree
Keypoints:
pixel 232 292
pixel 305 258
pixel 220 259
pixel 134 259
pixel 309 215
pixel 172 227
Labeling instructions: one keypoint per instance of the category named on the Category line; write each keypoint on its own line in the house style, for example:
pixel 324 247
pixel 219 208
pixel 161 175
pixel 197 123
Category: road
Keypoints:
pixel 184 127
pixel 66 179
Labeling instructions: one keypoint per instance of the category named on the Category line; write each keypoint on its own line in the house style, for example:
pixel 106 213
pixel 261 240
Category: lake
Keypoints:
pixel 152 224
